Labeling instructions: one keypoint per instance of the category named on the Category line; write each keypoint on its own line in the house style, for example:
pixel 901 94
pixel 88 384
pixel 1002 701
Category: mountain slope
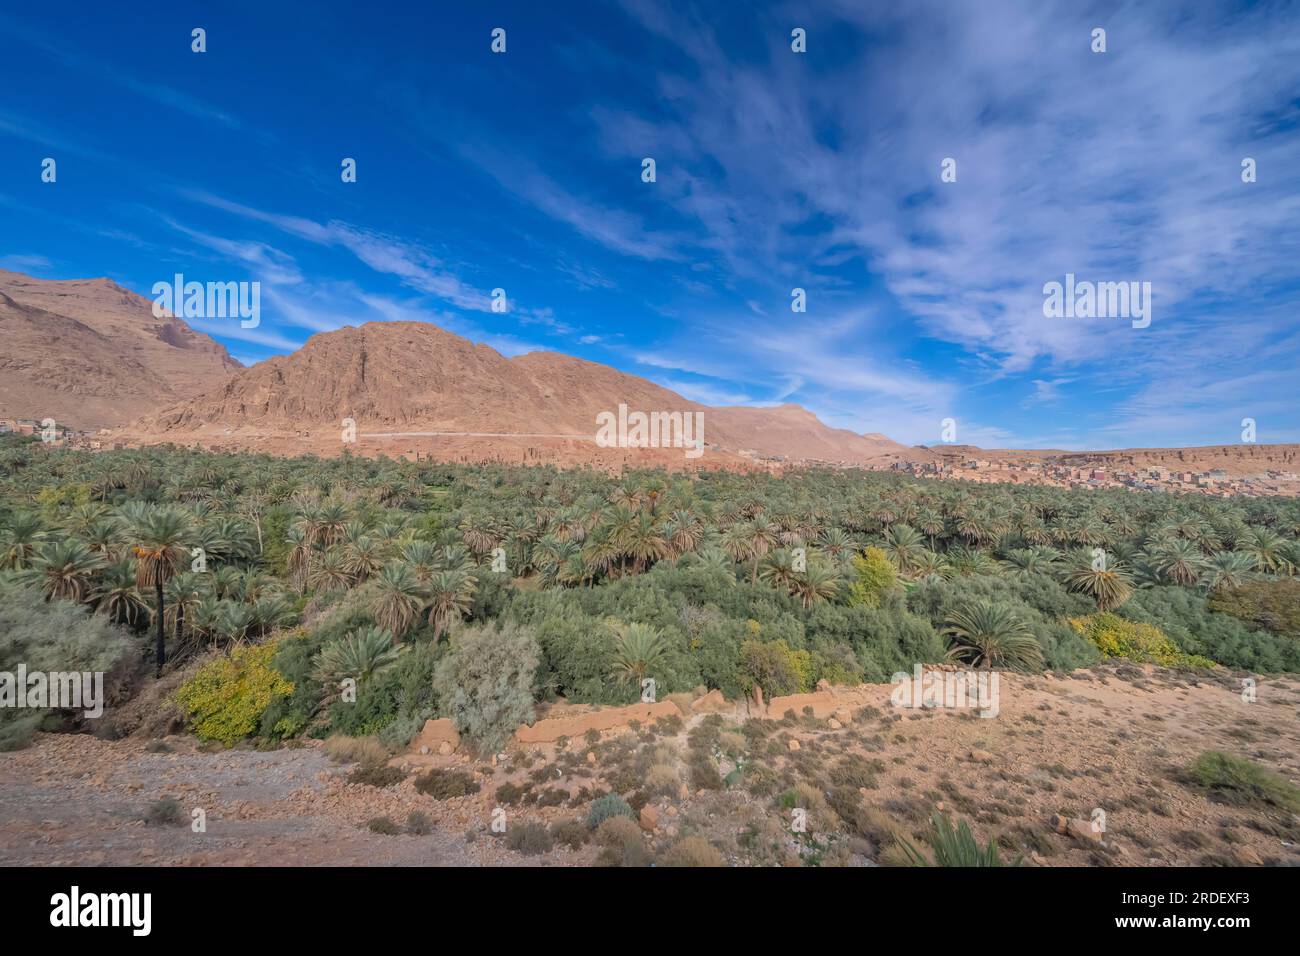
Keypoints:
pixel 91 354
pixel 414 377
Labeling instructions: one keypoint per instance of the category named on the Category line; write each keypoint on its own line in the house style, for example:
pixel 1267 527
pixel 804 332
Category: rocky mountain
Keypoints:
pixel 90 354
pixel 398 378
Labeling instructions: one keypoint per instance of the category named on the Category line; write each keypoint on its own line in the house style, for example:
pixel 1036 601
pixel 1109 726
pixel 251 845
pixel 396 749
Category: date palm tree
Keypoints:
pixel 684 531
pixel 903 544
pixel 1107 582
pixel 1179 561
pixel 450 597
pixel 818 583
pixel 329 573
pixel 184 593
pixel 20 539
pixel 363 558
pixel 1267 548
pixel 65 569
pixel 398 599
pixel 159 550
pixel 931 524
pixel 639 650
pixel 764 535
pixel 986 634
pixel 1227 569
pixel 298 560
pixel 361 655
pixel 644 543
pixel 117 597
pixel 479 534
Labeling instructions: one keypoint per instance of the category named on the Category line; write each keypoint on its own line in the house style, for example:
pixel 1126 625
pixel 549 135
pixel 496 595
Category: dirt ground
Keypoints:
pixel 1115 739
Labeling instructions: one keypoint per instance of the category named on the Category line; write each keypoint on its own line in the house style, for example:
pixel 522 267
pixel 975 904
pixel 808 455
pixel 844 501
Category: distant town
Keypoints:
pixel 1048 471
pixel 1214 481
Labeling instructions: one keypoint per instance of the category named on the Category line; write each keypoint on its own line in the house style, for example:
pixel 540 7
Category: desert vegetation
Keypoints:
pixel 472 592
pixel 351 600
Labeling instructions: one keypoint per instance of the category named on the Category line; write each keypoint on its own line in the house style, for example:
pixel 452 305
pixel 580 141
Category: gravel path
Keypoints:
pixel 72 799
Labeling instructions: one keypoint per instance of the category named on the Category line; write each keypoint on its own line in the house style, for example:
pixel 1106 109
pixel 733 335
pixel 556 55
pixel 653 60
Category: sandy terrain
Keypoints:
pixel 1116 738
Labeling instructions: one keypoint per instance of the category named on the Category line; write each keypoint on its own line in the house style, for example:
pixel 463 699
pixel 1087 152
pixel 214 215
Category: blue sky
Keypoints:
pixel 775 170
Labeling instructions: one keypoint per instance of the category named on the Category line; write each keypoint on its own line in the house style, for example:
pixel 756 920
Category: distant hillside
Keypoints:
pixel 415 377
pixel 91 354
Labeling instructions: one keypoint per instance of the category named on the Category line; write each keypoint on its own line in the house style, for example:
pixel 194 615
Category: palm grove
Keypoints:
pixel 472 591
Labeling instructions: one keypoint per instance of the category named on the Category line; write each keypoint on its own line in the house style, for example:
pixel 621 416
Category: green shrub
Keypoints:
pixel 446 784
pixel 383 825
pixel 1133 641
pixel 607 807
pixel 1236 780
pixel 377 775
pixel 692 851
pixel 225 699
pixel 571 833
pixel 165 812
pixel 876 576
pixel 774 667
pixel 364 750
pixel 950 846
pixel 530 838
pixel 50 637
pixel 417 824
pixel 622 843
pixel 1185 616
pixel 1269 604
pixel 485 683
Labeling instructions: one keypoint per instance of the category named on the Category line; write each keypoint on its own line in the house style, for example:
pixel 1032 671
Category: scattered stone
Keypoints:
pixel 1079 829
pixel 834 724
pixel 794 744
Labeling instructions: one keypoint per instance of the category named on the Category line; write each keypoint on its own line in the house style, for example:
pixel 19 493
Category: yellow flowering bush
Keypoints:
pixel 1142 643
pixel 225 699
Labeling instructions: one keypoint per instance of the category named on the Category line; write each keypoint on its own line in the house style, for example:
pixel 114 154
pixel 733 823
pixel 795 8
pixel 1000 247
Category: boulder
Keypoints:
pixel 434 735
pixel 649 817
pixel 1078 829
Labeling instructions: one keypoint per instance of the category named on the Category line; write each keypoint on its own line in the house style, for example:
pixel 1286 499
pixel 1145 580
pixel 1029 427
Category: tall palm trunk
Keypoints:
pixel 160 649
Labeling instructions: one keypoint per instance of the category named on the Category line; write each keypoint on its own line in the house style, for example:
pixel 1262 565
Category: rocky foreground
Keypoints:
pixel 1115 739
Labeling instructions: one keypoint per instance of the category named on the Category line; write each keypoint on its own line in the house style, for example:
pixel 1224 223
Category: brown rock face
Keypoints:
pixel 439 736
pixel 465 400
pixel 90 354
